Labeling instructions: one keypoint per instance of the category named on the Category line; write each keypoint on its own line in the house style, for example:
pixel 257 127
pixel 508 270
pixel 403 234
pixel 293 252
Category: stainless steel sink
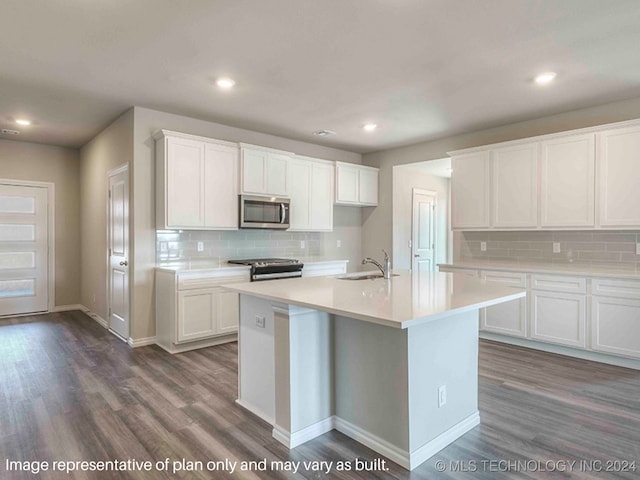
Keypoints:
pixel 363 276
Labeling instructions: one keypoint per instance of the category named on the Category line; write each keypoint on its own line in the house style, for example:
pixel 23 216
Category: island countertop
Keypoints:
pixel 407 299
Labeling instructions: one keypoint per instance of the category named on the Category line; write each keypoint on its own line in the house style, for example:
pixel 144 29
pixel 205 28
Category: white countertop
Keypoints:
pixel 559 269
pixel 403 301
pixel 203 266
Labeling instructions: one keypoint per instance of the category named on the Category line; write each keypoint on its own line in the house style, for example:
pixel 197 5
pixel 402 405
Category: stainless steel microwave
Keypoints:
pixel 264 212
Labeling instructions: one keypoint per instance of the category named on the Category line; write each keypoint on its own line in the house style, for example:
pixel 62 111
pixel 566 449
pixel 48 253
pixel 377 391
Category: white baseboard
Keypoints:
pixel 256 411
pixel 292 440
pixel 68 308
pixel 103 323
pixel 429 449
pixel 396 454
pixel 141 342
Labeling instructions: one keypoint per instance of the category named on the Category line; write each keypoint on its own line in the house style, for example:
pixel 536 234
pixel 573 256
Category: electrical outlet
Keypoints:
pixel 637 248
pixel 338 243
pixel 302 243
pixel 94 298
pixel 164 247
pixel 201 246
pixel 483 246
pixel 442 395
pixel 259 321
pixel 556 247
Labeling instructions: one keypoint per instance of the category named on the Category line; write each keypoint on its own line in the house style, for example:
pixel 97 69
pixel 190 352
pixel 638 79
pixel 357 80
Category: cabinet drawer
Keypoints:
pixel 192 281
pixel 616 288
pixel 556 283
pixel 513 279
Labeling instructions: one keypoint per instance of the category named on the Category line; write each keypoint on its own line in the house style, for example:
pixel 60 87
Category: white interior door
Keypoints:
pixel 423 241
pixel 23 249
pixel 118 244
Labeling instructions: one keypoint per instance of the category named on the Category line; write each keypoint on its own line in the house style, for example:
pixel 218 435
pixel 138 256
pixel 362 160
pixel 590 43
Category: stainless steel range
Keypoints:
pixel 272 268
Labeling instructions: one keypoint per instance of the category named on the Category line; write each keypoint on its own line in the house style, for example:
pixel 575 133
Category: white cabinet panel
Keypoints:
pixel 277 174
pixel 196 314
pixel 185 160
pixel 356 185
pixel 515 186
pixel 221 187
pixel 311 193
pixel 322 179
pixel 612 287
pixel 300 172
pixel 254 171
pixel 325 268
pixel 558 318
pixel 509 318
pixel 228 311
pixel 619 171
pixel 557 283
pixel 470 183
pixel 568 182
pixel 615 325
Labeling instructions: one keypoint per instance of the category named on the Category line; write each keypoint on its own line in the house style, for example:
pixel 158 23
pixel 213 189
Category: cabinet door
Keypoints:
pixel 254 171
pixel 619 170
pixel 615 325
pixel 558 317
pixel 228 311
pixel 568 182
pixel 322 197
pixel 196 314
pixel 470 191
pixel 300 192
pixel 347 184
pixel 221 187
pixel 509 318
pixel 368 186
pixel 185 185
pixel 277 174
pixel 515 186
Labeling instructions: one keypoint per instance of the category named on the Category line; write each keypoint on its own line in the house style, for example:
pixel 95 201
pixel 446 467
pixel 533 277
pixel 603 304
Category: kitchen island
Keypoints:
pixel 391 363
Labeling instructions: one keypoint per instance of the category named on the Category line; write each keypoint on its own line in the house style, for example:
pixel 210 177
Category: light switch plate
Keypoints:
pixel 259 321
pixel 302 243
pixel 483 246
pixel 201 246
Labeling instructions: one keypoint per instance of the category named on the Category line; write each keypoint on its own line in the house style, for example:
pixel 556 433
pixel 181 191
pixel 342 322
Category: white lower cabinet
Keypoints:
pixel 615 325
pixel 194 311
pixel 558 317
pixel 509 318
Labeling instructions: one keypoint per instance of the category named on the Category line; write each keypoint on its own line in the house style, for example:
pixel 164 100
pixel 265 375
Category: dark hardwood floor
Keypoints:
pixel 69 390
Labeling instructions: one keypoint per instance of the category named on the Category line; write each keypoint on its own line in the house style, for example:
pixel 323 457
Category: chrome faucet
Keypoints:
pixel 386 270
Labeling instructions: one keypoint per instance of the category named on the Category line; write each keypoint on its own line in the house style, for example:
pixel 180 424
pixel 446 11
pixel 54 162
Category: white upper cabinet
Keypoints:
pixel 264 171
pixel 196 183
pixel 470 182
pixel 567 182
pixel 311 193
pixel 515 186
pixel 619 177
pixel 356 184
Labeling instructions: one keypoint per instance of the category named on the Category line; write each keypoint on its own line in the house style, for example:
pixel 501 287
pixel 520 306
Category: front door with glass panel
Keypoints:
pixel 23 249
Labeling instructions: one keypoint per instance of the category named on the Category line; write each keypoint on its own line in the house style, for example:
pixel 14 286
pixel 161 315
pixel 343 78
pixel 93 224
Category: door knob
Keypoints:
pixel 124 263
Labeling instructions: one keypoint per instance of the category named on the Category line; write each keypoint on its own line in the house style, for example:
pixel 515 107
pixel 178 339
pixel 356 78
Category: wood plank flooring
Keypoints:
pixel 69 390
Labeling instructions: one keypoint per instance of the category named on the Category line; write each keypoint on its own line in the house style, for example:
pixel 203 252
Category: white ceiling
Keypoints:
pixel 420 69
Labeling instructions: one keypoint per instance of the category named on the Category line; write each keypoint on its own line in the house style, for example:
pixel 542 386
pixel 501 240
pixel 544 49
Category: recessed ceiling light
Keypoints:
pixel 225 83
pixel 22 121
pixel 369 127
pixel 545 78
pixel 324 133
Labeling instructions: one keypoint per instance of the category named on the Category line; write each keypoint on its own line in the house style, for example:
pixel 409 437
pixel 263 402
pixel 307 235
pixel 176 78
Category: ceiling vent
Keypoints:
pixel 324 133
pixel 6 131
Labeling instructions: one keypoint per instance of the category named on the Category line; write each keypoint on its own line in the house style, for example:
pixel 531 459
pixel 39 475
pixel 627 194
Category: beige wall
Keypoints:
pixel 108 150
pixel 148 121
pixel 60 166
pixel 377 223
pixel 405 179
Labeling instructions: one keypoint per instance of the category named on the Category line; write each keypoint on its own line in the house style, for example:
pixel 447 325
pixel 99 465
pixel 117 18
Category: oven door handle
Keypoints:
pixel 282 213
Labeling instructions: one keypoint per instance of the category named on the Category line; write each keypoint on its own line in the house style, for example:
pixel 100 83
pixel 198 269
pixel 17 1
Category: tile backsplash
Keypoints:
pixel 615 248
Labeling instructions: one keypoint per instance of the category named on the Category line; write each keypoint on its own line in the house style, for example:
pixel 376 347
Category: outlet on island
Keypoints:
pixel 442 396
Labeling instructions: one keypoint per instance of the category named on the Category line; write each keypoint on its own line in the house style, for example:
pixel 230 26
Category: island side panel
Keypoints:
pixel 442 353
pixel 371 384
pixel 303 374
pixel 256 358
